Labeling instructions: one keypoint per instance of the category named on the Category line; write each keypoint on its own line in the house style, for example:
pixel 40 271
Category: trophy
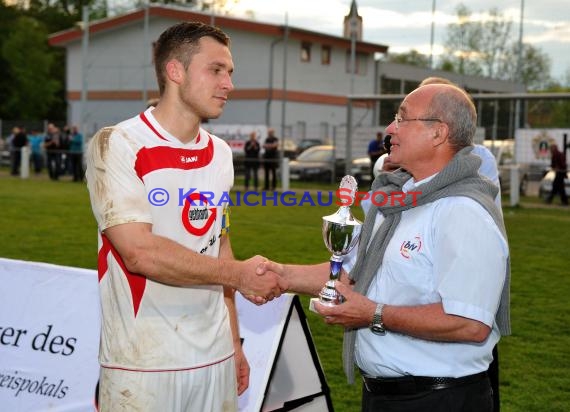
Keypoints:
pixel 341 232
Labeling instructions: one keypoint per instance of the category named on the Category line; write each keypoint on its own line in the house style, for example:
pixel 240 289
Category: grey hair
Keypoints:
pixel 456 109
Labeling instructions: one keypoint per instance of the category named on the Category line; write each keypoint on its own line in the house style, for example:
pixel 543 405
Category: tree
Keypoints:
pixel 413 58
pixel 214 6
pixel 462 44
pixel 485 48
pixel 535 66
pixel 30 64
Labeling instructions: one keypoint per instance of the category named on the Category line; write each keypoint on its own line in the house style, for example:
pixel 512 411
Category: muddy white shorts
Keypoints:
pixel 211 388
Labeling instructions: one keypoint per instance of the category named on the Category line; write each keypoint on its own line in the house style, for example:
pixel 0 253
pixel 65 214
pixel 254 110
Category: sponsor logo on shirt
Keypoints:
pixel 411 246
pixel 197 217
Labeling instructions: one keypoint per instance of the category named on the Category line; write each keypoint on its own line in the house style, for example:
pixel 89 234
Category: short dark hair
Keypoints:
pixel 180 42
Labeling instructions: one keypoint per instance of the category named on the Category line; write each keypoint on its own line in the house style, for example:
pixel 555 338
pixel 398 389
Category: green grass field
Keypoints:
pixel 47 221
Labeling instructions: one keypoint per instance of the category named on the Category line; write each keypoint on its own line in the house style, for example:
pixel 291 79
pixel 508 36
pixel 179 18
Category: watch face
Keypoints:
pixel 378 330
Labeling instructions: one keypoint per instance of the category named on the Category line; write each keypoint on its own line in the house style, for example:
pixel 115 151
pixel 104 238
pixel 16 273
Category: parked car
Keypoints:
pixel 316 163
pixel 546 184
pixel 305 144
pixel 290 148
pixel 361 169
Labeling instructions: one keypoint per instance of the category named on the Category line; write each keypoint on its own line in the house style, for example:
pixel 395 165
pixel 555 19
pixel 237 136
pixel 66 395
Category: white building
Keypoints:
pixel 306 97
pixel 294 80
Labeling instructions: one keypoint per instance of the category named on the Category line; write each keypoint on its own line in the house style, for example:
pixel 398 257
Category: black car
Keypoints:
pixel 316 163
pixel 307 144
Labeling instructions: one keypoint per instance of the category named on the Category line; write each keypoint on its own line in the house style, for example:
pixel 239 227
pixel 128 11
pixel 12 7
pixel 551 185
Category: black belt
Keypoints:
pixel 409 385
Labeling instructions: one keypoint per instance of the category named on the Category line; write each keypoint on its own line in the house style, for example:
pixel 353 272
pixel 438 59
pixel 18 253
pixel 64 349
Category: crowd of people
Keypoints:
pixel 60 150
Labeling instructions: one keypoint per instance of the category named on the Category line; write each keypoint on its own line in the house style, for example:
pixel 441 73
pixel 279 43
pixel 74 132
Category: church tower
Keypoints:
pixel 353 21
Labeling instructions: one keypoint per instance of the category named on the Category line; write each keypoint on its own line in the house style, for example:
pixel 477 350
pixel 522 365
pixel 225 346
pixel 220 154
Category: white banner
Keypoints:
pixel 49 340
pixel 49 337
pixel 237 134
pixel 532 146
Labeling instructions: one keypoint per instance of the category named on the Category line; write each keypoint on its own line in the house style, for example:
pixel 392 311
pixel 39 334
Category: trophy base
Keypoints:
pixel 329 296
pixel 319 301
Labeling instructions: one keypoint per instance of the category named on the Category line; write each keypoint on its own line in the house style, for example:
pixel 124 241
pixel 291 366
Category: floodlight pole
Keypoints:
pixel 432 34
pixel 145 52
pixel 84 67
pixel 519 68
pixel 353 35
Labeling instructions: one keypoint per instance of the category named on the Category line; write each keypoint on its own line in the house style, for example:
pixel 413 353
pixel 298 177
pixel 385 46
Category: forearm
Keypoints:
pixel 167 261
pixel 430 322
pixel 226 252
pixel 306 279
pixel 229 299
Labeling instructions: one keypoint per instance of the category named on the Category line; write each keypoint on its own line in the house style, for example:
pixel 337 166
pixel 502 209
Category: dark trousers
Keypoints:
pixel 38 162
pixel 270 167
pixel 472 397
pixel 558 188
pixel 251 172
pixel 54 165
pixel 493 373
pixel 77 166
pixel 16 161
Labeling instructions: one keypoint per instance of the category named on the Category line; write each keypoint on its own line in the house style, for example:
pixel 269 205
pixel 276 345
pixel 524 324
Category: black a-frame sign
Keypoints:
pixel 286 374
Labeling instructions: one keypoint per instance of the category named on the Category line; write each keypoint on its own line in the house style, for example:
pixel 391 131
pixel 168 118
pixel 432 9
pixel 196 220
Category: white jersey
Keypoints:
pixel 138 172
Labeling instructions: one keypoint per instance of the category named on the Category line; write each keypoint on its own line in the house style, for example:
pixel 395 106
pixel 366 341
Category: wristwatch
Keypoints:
pixel 377 326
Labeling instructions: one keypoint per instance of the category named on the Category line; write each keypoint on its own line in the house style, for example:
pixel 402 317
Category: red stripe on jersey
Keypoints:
pixel 151 127
pixel 150 159
pixel 137 283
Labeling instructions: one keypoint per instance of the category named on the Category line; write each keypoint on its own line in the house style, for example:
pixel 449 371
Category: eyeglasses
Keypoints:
pixel 399 119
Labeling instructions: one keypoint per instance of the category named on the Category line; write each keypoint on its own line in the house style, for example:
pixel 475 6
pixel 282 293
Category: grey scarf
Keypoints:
pixel 459 178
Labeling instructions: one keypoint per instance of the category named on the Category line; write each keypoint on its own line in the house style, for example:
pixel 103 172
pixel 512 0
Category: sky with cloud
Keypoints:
pixel 405 25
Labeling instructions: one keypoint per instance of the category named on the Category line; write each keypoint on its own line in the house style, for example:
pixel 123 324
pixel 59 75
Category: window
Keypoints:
pixel 326 55
pixel 305 52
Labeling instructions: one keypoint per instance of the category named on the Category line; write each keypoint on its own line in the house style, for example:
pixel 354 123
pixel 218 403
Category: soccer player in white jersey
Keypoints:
pixel 167 275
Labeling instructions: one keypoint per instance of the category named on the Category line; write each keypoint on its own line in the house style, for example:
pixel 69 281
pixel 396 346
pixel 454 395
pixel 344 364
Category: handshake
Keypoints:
pixel 260 280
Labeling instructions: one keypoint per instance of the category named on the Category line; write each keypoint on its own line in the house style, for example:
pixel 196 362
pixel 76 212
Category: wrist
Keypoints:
pixel 377 324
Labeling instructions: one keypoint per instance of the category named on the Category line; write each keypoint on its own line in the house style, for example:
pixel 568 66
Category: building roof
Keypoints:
pixel 63 38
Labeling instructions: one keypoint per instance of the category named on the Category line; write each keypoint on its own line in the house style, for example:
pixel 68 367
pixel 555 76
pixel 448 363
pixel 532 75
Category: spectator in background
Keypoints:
pixel 52 143
pixel 270 158
pixel 19 141
pixel 64 150
pixel 558 164
pixel 251 149
pixel 375 150
pixel 76 154
pixel 36 142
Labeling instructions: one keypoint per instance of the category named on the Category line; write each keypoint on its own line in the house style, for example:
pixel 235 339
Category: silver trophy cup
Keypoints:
pixel 341 232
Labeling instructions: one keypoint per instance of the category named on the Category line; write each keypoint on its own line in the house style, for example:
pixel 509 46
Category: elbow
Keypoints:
pixel 133 259
pixel 478 332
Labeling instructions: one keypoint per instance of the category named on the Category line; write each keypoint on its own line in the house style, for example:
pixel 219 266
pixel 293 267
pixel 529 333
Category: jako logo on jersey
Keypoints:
pixel 188 159
pixel 409 246
pixel 197 217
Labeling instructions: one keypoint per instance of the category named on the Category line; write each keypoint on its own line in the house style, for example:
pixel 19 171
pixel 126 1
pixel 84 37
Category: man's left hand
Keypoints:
pixel 355 312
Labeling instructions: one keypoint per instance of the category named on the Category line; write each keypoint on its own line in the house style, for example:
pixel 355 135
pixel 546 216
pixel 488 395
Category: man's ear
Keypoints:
pixel 441 134
pixel 175 71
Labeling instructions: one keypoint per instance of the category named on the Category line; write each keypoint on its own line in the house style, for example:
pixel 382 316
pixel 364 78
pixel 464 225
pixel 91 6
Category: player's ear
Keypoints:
pixel 175 71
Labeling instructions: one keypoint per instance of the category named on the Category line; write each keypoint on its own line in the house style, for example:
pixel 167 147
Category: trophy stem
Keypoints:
pixel 329 295
pixel 336 266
